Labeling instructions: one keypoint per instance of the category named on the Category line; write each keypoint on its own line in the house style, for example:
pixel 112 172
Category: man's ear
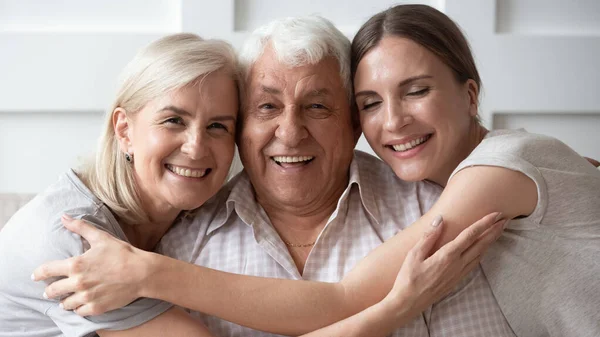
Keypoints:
pixel 121 125
pixel 473 92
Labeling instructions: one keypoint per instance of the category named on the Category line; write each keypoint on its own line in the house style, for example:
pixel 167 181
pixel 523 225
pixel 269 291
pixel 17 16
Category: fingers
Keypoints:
pixel 87 231
pixel 423 248
pixel 484 241
pixel 63 287
pixel 52 269
pixel 470 234
pixel 454 280
pixel 89 309
pixel 83 304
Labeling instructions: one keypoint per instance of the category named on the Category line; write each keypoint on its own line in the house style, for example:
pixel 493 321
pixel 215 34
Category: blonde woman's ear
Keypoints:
pixel 121 127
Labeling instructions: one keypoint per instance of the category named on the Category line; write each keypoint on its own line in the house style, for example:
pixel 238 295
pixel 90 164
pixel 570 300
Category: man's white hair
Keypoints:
pixel 297 42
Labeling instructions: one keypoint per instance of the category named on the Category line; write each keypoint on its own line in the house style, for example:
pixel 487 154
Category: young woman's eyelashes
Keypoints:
pixel 372 103
pixel 418 92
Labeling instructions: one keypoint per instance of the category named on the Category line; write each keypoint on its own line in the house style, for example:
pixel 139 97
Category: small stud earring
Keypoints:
pixel 129 157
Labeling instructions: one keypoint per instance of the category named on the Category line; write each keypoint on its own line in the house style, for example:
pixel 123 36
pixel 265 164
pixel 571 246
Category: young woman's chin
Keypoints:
pixel 410 171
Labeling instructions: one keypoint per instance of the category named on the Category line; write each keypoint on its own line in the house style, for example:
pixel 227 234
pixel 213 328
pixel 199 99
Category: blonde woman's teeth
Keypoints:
pixel 409 145
pixel 186 172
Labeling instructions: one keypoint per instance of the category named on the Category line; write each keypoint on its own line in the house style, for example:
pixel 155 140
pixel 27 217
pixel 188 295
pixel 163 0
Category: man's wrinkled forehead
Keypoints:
pixel 270 75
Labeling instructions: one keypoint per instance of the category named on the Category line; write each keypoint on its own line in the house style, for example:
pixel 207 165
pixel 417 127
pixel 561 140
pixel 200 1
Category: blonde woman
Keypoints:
pixel 167 146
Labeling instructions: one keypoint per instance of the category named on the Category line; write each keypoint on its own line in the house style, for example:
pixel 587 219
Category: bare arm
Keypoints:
pixel 470 194
pixel 173 322
pixel 285 306
pixel 409 295
pixel 280 306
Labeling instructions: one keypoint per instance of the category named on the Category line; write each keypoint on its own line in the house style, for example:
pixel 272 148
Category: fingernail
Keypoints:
pixel 505 224
pixel 44 295
pixel 498 217
pixel 32 277
pixel 62 306
pixel 437 221
pixel 67 217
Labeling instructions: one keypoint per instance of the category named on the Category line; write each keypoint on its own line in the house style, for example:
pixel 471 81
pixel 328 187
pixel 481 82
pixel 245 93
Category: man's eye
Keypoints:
pixel 420 92
pixel 217 126
pixel 267 106
pixel 316 106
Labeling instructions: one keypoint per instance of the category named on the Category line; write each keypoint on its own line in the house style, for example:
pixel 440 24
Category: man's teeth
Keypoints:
pixel 186 172
pixel 288 159
pixel 409 145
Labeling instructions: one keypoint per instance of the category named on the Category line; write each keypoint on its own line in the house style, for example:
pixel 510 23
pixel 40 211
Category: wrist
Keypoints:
pixel 150 281
pixel 399 308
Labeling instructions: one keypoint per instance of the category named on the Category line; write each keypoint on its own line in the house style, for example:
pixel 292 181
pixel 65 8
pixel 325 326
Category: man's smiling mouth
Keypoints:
pixel 291 161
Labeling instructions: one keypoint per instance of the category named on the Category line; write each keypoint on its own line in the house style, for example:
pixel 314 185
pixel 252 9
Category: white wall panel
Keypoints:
pixel 35 147
pixel 67 71
pixel 346 15
pixel 59 62
pixel 90 16
pixel 578 130
pixel 543 17
pixel 59 66
pixel 539 65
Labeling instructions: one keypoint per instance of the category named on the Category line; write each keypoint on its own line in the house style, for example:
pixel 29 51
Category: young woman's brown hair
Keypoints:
pixel 424 25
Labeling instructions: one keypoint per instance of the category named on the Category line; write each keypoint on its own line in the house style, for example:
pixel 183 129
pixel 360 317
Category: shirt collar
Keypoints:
pixel 239 198
pixel 363 176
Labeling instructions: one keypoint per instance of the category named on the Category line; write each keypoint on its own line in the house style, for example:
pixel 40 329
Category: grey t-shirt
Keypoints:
pixel 544 270
pixel 35 235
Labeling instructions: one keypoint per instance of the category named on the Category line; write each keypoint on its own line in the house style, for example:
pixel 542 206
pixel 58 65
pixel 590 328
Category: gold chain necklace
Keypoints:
pixel 300 245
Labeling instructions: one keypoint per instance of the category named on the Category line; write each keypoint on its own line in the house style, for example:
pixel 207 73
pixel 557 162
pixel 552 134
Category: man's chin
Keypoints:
pixel 294 195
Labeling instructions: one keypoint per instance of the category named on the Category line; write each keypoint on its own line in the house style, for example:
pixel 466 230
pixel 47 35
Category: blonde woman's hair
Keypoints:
pixel 164 65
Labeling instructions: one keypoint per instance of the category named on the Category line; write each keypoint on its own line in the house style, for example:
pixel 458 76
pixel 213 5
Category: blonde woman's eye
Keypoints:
pixel 174 120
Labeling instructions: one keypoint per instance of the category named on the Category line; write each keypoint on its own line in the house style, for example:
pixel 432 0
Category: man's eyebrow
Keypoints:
pixel 270 90
pixel 403 83
pixel 321 92
pixel 176 110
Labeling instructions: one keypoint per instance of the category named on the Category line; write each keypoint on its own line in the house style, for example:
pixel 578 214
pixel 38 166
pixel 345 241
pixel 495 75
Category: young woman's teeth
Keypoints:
pixel 289 159
pixel 186 172
pixel 409 145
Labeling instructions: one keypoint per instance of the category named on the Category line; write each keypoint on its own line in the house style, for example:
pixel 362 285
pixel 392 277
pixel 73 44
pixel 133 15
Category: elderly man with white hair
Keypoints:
pixel 307 206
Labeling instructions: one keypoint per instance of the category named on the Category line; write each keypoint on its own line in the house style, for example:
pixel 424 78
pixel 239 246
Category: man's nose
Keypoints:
pixel 291 129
